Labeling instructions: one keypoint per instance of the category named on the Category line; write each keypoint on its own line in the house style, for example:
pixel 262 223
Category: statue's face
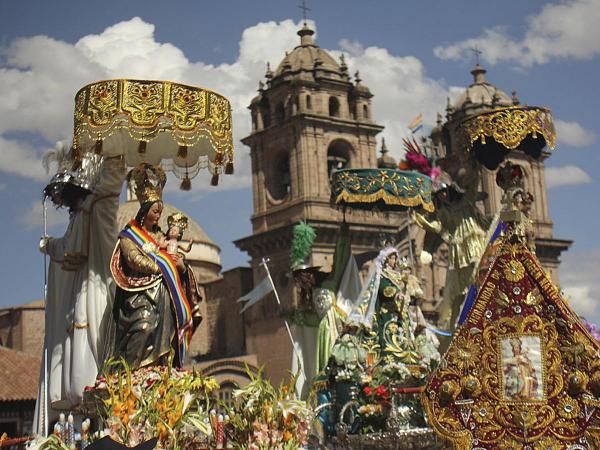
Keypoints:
pixel 173 232
pixel 153 216
pixel 392 260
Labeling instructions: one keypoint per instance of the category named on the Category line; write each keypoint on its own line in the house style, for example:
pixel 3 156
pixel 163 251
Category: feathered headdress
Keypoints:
pixel 147 181
pixel 415 159
pixel 302 241
pixel 71 169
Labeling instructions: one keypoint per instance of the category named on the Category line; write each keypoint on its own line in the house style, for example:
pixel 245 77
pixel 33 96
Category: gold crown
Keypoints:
pixel 147 181
pixel 178 220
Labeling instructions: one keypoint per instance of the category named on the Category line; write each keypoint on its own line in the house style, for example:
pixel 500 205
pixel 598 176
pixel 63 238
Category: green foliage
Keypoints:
pixel 302 241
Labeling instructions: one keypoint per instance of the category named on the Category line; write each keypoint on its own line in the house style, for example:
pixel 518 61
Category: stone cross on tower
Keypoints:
pixel 477 54
pixel 304 9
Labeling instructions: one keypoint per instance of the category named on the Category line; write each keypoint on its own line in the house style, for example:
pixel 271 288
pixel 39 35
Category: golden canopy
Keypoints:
pixel 150 121
pixel 492 134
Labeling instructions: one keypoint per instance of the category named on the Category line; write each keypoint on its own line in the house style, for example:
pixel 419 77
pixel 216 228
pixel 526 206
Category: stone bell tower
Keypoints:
pixel 308 119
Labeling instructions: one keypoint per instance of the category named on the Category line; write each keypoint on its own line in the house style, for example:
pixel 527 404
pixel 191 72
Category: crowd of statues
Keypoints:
pixel 130 293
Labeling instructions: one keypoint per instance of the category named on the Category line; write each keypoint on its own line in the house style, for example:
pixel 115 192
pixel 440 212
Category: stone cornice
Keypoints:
pixel 315 119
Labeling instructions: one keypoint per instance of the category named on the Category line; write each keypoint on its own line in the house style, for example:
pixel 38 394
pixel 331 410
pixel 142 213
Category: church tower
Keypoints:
pixel 479 97
pixel 308 120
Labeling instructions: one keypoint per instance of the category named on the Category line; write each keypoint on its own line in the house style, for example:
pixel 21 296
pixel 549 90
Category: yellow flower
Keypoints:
pixel 483 412
pixel 568 408
pixel 547 443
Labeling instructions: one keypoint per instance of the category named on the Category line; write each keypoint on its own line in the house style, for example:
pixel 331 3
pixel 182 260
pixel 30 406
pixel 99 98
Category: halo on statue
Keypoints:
pixel 492 134
pixel 151 121
pixel 382 189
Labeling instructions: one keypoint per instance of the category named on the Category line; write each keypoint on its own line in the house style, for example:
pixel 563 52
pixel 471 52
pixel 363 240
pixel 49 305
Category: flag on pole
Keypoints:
pixel 416 124
pixel 259 292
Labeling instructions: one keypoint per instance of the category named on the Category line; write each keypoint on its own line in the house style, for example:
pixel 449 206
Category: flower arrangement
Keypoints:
pixel 170 404
pixel 268 418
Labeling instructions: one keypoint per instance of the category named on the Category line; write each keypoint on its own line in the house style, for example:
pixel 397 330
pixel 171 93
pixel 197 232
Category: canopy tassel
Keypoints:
pixel 183 151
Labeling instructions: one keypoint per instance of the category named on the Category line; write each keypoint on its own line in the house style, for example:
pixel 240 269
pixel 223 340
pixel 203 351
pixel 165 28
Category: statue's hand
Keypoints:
pixel 43 246
pixel 179 262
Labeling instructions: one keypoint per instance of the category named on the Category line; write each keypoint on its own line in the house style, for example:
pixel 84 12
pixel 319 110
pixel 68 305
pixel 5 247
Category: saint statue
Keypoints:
pixel 80 289
pixel 324 302
pixel 156 306
pixel 462 226
pixel 388 306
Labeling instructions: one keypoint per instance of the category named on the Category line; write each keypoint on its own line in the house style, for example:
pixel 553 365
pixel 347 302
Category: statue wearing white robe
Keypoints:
pixel 80 293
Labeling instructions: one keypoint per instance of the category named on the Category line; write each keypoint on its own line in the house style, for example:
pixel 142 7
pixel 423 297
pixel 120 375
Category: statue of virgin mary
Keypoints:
pixel 156 306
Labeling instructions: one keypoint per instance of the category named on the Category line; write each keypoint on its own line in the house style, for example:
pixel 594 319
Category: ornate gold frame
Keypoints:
pixel 509 126
pixel 464 398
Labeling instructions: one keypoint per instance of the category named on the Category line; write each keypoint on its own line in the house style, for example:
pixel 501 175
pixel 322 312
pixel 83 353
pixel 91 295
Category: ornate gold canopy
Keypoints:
pixel 524 128
pixel 149 121
pixel 522 372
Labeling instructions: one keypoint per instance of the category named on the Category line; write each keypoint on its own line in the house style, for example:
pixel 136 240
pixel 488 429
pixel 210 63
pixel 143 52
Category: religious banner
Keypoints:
pixel 522 373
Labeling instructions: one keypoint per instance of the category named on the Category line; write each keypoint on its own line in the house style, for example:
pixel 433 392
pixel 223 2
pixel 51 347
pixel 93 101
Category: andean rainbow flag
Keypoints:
pixel 416 124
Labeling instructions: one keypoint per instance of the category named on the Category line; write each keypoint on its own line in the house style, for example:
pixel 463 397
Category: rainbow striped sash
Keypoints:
pixel 183 312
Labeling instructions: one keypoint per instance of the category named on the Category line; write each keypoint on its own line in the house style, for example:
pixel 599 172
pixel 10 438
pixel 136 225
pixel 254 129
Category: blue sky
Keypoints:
pixel 411 54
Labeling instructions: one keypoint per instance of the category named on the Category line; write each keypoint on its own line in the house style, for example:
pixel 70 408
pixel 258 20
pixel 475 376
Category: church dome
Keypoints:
pixel 204 255
pixel 385 161
pixel 480 96
pixel 308 57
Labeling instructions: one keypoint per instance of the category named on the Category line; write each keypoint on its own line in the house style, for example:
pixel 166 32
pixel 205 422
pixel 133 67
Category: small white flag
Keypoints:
pixel 255 295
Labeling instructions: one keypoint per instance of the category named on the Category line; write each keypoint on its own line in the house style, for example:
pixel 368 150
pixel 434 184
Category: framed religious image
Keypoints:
pixel 522 369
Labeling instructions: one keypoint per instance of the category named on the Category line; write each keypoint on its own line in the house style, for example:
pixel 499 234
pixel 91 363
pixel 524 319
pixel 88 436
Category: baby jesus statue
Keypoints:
pixel 172 242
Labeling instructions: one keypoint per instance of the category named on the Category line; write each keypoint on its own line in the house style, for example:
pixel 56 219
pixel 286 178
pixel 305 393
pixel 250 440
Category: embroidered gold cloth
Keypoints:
pixel 510 126
pixel 522 372
pixel 384 189
pixel 148 121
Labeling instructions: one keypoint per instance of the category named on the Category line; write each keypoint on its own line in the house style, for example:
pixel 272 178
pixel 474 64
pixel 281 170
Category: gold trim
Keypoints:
pixel 509 126
pixel 347 197
pixel 146 108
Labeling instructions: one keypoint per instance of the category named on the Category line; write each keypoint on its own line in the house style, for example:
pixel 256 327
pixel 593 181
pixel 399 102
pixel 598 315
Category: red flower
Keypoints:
pixel 368 391
pixel 382 392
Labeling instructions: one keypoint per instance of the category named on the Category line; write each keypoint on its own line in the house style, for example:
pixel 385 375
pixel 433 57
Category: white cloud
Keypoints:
pixel 568 29
pixel 353 47
pixel 400 87
pixel 21 158
pixel 566 176
pixel 580 280
pixel 573 134
pixel 33 217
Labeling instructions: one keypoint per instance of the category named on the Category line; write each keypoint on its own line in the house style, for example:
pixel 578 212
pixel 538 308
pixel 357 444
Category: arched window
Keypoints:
pixel 365 111
pixel 279 112
pixel 338 156
pixel 308 102
pixel 334 107
pixel 265 111
pixel 279 181
pixel 254 122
